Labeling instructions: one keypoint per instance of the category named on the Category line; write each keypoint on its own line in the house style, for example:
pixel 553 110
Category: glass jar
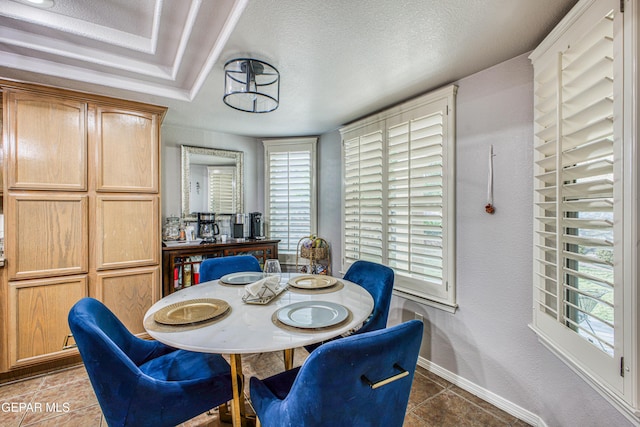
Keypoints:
pixel 171 229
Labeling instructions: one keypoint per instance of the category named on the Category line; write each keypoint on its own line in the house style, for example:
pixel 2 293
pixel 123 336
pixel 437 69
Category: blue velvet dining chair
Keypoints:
pixel 377 279
pixel 361 380
pixel 215 268
pixel 144 383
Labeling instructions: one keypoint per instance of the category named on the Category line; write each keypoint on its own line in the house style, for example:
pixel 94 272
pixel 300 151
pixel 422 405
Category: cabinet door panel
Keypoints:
pixel 127 231
pixel 38 311
pixel 47 143
pixel 46 236
pixel 129 293
pixel 127 144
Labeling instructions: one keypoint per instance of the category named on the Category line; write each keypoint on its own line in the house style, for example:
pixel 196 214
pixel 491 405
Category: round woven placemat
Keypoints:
pixel 339 285
pixel 152 325
pixel 279 324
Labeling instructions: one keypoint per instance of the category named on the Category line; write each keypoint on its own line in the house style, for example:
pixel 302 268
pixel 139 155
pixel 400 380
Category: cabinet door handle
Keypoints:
pixel 66 345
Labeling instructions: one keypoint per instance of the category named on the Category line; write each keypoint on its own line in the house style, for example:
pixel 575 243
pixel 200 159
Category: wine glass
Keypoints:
pixel 272 268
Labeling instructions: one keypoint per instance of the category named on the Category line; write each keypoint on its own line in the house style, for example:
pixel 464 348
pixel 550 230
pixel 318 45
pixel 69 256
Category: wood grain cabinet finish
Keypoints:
pixel 126 229
pixel 82 207
pixel 129 293
pixel 38 311
pixel 47 142
pixel 46 235
pixel 127 150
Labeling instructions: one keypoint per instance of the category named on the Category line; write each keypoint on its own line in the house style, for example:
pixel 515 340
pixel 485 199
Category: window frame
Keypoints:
pixel 444 296
pixel 308 144
pixel 616 379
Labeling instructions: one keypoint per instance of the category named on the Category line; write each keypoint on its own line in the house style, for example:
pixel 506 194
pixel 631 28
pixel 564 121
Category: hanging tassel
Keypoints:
pixel 489 208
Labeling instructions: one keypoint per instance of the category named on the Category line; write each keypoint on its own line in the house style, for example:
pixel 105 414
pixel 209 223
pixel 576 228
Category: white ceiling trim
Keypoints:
pixel 186 34
pixel 214 55
pixel 84 54
pixel 55 69
pixel 86 29
pixel 163 74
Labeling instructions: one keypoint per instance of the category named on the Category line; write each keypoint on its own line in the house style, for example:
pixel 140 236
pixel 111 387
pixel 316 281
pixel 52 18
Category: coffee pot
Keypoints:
pixel 207 227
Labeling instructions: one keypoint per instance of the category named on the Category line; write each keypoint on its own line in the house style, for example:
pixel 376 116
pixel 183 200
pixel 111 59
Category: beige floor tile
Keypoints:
pixel 20 388
pixel 62 399
pixel 422 389
pixel 90 416
pixel 65 377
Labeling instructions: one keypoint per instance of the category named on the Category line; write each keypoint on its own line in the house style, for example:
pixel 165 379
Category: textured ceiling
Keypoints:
pixel 338 59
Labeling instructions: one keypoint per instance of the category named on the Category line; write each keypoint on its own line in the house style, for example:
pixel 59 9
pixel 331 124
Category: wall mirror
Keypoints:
pixel 211 181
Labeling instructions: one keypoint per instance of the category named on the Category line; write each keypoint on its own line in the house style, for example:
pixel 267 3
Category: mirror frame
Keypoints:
pixel 187 151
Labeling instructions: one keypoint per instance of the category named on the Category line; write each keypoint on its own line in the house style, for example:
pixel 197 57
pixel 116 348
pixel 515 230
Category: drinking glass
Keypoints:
pixel 272 268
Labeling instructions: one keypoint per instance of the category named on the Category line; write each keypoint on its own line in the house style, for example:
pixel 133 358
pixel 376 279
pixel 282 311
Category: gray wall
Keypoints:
pixel 174 136
pixel 487 340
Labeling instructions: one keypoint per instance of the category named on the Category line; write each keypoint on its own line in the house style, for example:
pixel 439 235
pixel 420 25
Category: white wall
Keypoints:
pixel 487 340
pixel 174 136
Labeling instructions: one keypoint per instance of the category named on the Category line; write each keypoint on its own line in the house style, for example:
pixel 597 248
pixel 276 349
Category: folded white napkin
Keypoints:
pixel 254 288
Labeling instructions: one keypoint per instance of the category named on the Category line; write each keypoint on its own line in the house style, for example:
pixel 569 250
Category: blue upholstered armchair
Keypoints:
pixel 361 380
pixel 215 268
pixel 377 279
pixel 144 383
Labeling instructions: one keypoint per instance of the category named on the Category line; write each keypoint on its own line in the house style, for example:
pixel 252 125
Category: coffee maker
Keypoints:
pixel 207 227
pixel 257 226
pixel 241 226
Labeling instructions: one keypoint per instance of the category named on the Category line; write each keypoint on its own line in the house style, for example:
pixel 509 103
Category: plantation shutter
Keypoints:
pixel 290 193
pixel 221 189
pixel 399 195
pixel 416 198
pixel 578 193
pixel 363 210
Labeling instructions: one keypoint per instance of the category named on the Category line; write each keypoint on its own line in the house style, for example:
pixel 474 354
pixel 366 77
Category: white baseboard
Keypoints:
pixel 484 394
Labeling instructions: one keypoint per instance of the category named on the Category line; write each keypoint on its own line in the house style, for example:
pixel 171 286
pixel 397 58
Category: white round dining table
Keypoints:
pixel 251 328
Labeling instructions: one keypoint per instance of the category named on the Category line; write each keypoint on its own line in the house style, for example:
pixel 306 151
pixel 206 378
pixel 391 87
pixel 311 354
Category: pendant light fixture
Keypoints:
pixel 251 85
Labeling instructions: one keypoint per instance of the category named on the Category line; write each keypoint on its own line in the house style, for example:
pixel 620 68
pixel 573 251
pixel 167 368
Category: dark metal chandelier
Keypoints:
pixel 251 85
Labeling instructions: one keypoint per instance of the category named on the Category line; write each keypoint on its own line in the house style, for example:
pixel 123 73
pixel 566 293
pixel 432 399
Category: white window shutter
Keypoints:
pixel 399 195
pixel 290 192
pixel 578 196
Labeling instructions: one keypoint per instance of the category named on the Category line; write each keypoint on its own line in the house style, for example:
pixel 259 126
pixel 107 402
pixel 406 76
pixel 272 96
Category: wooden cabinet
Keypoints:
pixel 38 310
pixel 82 210
pixel 180 261
pixel 46 144
pixel 46 234
pixel 127 150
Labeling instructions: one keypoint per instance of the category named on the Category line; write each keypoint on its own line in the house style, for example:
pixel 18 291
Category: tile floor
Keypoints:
pixel 66 399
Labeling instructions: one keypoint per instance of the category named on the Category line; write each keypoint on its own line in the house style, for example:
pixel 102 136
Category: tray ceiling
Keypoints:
pixel 164 48
pixel 339 60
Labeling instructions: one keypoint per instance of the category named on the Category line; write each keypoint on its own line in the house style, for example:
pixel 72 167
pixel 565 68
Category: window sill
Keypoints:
pixel 450 308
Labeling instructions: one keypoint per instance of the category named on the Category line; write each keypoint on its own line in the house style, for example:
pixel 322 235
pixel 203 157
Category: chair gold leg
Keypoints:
pixel 238 410
pixel 288 358
pixel 258 422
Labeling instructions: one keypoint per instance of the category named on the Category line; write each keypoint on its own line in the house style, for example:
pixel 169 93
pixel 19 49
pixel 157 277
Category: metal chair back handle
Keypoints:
pixel 403 373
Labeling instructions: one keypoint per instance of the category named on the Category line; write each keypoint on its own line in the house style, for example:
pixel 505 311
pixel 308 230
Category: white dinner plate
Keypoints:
pixel 312 314
pixel 242 278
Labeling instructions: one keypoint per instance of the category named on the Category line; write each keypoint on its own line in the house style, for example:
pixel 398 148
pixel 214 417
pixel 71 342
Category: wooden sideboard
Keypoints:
pixel 181 261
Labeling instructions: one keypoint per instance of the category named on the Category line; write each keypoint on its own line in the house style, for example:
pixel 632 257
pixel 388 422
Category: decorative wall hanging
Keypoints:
pixel 489 208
